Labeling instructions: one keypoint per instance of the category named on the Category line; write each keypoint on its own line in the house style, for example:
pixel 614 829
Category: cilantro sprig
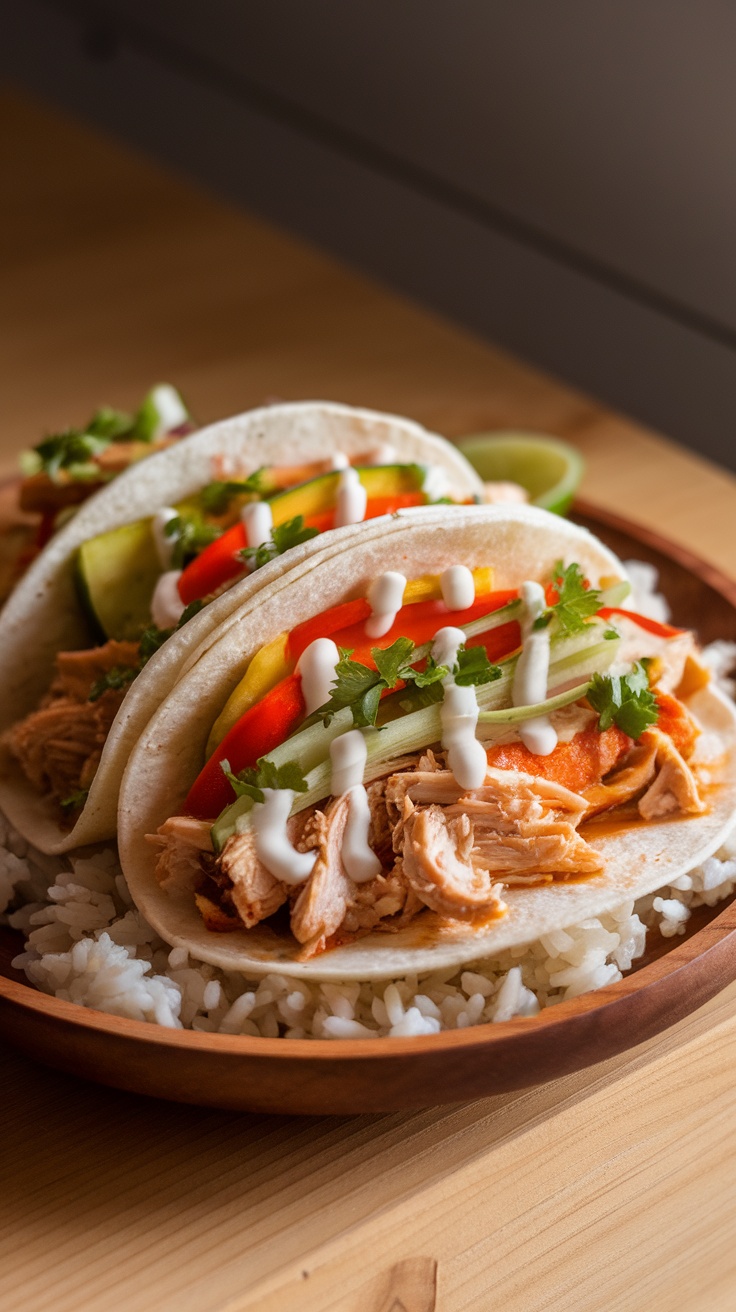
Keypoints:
pixel 575 602
pixel 283 538
pixel 191 535
pixel 361 688
pixel 74 450
pixel 251 782
pixel 150 640
pixel 216 497
pixel 75 801
pixel 624 700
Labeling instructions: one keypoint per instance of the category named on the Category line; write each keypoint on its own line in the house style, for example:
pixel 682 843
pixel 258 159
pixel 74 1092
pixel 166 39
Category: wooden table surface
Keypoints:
pixel 615 1188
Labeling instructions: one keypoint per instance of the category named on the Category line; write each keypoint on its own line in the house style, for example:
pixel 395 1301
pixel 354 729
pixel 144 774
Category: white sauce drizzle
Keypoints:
pixel 167 606
pixel 532 671
pixel 273 847
pixel 351 499
pixel 466 757
pixel 348 756
pixel 339 460
pixel 435 483
pixel 385 596
pixel 258 523
pixel 458 587
pixel 164 544
pixel 316 665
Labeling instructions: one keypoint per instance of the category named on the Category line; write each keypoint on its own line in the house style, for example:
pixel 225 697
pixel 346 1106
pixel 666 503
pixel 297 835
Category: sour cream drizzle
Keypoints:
pixel 348 756
pixel 532 671
pixel 435 483
pixel 339 460
pixel 167 606
pixel 351 499
pixel 385 596
pixel 317 668
pixel 164 544
pixel 466 757
pixel 273 847
pixel 458 587
pixel 258 523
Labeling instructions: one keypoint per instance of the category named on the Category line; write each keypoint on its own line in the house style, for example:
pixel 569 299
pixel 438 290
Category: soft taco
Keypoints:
pixel 443 744
pixel 106 618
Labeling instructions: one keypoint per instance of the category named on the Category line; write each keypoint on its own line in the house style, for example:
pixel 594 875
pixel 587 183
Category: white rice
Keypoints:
pixel 86 942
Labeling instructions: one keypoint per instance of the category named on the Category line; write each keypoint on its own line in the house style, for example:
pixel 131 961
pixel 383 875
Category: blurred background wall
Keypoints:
pixel 559 177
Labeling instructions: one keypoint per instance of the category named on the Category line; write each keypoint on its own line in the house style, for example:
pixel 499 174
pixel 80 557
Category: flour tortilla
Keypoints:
pixel 519 543
pixel 43 615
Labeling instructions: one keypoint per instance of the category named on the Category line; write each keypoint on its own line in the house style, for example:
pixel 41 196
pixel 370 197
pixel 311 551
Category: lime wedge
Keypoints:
pixel 547 468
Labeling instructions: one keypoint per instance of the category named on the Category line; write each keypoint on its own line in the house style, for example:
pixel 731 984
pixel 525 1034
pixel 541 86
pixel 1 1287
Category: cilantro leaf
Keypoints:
pixel 356 686
pixel 624 700
pixel 430 676
pixel 150 640
pixel 113 425
pixel 575 603
pixel 251 782
pixel 70 450
pixel 474 668
pixel 75 801
pixel 216 497
pixel 191 535
pixel 391 660
pixel 113 679
pixel 283 538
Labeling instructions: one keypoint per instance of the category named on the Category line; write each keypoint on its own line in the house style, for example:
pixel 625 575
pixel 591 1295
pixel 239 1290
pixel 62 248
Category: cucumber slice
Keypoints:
pixel 116 576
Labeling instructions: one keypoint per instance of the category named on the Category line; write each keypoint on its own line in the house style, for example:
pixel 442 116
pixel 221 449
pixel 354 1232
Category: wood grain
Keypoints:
pixel 612 1187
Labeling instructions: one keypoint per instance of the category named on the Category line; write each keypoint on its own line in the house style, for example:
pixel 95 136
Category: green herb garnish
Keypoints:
pixel 251 782
pixel 216 497
pixel 150 641
pixel 191 535
pixel 75 801
pixel 118 677
pixel 359 687
pixel 575 603
pixel 74 450
pixel 624 700
pixel 283 538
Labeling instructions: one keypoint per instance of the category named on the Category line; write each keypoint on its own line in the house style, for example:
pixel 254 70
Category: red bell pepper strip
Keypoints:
pixel 324 626
pixel 257 732
pixel 218 563
pixel 270 721
pixel 420 622
pixel 651 626
pixel 376 506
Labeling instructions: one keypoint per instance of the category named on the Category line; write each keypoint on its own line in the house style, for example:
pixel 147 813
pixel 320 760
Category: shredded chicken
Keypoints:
pixel 674 789
pixel 59 745
pixel 320 906
pixel 256 893
pixel 182 840
pixel 441 846
pixel 517 825
pixel 438 863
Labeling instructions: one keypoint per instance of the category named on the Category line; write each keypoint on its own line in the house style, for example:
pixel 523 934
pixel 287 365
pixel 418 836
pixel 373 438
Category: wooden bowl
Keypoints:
pixel 371 1075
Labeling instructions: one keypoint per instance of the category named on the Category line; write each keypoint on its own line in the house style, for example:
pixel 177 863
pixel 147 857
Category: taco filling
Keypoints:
pixel 140 583
pixel 68 467
pixel 424 748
